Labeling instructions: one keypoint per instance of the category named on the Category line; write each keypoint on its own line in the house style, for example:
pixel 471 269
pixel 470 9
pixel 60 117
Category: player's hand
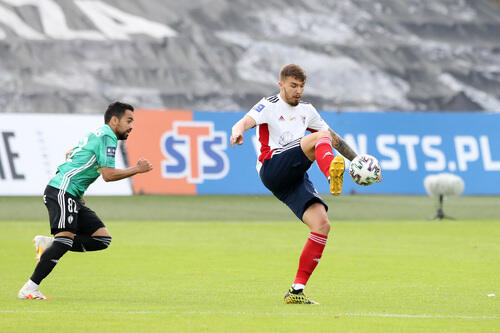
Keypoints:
pixel 236 138
pixel 143 165
pixel 68 153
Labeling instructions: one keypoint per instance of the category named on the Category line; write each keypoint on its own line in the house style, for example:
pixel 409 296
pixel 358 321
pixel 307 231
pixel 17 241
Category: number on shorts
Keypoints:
pixel 72 207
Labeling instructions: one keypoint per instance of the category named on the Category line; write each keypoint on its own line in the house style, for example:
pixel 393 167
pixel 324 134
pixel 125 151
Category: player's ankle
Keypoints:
pixel 297 288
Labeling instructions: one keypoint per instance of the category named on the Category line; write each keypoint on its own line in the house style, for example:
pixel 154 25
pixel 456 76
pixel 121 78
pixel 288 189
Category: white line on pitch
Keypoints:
pixel 347 314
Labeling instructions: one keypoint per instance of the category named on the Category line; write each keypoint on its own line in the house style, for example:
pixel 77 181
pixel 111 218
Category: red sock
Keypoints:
pixel 324 155
pixel 310 256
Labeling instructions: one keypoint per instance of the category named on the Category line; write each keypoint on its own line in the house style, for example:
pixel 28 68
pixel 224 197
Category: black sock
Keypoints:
pixel 83 243
pixel 50 257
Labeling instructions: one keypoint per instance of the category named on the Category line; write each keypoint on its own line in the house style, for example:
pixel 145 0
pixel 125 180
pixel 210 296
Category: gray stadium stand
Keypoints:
pixel 76 56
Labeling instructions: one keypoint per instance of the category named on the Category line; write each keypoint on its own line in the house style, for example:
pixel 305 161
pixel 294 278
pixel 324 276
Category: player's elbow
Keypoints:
pixel 107 177
pixel 107 174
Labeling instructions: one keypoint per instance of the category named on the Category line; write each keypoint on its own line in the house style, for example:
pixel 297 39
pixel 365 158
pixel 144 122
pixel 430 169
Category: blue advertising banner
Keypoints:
pixel 409 146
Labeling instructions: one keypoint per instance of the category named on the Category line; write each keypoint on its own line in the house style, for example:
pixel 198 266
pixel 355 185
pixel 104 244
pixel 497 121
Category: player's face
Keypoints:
pixel 291 90
pixel 125 126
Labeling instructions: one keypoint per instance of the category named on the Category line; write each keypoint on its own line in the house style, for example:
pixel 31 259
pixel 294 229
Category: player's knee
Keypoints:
pixel 104 241
pixel 322 226
pixel 325 227
pixel 324 134
pixel 101 232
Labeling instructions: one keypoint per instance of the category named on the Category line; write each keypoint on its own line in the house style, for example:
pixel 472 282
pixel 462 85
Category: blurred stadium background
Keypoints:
pixel 415 83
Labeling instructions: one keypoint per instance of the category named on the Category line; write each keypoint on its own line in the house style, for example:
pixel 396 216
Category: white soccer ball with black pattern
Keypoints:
pixel 364 169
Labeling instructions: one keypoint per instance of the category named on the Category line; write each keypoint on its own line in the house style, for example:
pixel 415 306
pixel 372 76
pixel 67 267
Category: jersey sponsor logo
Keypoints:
pixel 259 107
pixel 110 151
pixel 195 151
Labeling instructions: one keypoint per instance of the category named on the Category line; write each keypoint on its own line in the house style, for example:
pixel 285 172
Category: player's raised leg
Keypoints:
pixel 318 146
pixel 316 219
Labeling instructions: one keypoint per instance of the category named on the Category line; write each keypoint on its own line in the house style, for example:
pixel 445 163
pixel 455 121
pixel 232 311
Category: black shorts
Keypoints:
pixel 285 174
pixel 67 213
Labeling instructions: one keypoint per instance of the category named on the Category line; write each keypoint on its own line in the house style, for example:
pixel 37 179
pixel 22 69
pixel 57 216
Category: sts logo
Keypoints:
pixel 193 150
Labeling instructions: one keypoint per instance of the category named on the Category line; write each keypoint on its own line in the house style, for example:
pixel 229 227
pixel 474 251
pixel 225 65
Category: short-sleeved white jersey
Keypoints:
pixel 279 123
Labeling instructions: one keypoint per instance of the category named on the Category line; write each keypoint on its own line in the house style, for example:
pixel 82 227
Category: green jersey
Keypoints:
pixel 83 165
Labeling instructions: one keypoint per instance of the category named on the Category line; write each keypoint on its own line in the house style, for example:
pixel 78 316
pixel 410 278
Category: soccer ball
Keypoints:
pixel 364 169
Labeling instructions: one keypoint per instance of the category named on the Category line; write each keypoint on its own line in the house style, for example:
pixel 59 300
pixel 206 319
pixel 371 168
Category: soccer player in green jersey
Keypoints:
pixel 75 226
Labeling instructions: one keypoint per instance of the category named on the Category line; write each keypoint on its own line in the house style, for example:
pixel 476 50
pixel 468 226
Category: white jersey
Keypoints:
pixel 279 123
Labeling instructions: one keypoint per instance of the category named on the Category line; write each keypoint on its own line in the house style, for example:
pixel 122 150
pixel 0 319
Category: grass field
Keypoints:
pixel 223 264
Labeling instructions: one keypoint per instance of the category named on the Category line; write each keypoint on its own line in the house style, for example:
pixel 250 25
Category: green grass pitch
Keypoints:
pixel 223 264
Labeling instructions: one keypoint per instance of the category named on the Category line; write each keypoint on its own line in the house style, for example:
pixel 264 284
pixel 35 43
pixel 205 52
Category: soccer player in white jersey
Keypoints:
pixel 286 153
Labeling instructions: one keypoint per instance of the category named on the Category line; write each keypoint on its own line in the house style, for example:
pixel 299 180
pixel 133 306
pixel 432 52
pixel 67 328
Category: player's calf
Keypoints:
pixel 324 154
pixel 50 257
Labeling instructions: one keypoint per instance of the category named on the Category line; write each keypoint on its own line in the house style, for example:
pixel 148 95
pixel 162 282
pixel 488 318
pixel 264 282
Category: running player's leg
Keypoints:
pixel 63 216
pixel 92 234
pixel 62 243
pixel 318 146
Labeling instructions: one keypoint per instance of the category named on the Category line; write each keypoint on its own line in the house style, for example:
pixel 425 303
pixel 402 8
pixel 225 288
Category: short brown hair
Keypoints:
pixel 292 70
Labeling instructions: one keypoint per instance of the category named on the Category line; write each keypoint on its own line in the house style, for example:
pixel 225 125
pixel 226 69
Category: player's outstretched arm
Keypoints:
pixel 239 128
pixel 112 174
pixel 341 146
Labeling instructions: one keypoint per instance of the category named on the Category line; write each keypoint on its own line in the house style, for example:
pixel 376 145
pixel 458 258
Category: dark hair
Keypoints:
pixel 116 109
pixel 292 70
